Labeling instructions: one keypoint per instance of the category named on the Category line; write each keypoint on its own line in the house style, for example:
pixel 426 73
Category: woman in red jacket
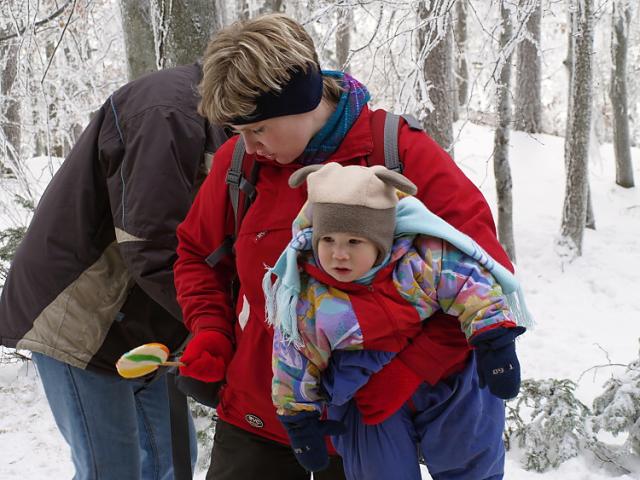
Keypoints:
pixel 262 78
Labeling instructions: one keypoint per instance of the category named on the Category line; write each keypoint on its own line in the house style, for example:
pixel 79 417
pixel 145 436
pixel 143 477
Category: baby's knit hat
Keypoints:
pixel 353 199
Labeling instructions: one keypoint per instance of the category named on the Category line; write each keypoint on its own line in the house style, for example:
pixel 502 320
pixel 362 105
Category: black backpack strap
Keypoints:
pixel 235 178
pixel 242 192
pixel 180 437
pixel 222 251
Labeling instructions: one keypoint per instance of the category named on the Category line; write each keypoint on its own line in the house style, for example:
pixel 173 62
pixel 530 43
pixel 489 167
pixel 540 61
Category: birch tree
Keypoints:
pixel 528 99
pixel 621 19
pixel 436 51
pixel 576 190
pixel 138 37
pixel 501 168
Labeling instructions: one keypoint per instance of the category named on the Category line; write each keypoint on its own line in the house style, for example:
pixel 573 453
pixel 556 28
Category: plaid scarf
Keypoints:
pixel 329 138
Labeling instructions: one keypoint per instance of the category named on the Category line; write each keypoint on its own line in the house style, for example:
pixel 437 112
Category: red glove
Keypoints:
pixel 386 392
pixel 206 356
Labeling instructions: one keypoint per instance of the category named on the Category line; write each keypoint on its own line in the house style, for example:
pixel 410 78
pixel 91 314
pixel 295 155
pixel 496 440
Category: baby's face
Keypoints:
pixel 346 257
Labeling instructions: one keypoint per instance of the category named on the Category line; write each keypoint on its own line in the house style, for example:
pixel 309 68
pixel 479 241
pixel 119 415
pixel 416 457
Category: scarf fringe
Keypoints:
pixel 280 309
pixel 518 307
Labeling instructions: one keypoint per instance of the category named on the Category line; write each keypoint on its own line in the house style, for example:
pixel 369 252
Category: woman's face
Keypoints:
pixel 283 139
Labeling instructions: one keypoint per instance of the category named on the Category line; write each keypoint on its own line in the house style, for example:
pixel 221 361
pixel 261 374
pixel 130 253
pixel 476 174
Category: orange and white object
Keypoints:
pixel 143 360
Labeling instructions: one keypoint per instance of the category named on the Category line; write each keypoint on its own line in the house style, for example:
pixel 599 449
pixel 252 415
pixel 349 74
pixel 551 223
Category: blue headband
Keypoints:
pixel 301 94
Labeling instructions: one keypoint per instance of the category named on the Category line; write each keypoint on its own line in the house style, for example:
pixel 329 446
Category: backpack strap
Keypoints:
pixel 241 179
pixel 235 179
pixel 386 125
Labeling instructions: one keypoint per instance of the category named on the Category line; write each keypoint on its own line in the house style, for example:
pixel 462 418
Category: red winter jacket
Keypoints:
pixel 204 292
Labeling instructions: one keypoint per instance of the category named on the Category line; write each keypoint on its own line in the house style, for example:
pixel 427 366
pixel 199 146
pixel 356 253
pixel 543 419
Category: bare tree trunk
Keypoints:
pixel 528 111
pixel 501 168
pixel 621 19
pixel 576 192
pixel 568 63
pixel 272 6
pixel 438 70
pixel 182 29
pixel 244 11
pixel 138 37
pixel 462 70
pixel 343 37
pixel 590 221
pixel 10 119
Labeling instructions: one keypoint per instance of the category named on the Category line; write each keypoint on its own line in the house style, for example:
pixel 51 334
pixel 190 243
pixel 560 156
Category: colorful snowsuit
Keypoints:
pixel 342 340
pixel 426 274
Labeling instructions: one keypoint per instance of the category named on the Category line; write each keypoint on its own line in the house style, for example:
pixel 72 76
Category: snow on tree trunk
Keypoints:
pixel 528 99
pixel 462 70
pixel 621 19
pixel 435 41
pixel 343 37
pixel 501 168
pixel 575 201
pixel 272 6
pixel 182 29
pixel 138 37
pixel 10 119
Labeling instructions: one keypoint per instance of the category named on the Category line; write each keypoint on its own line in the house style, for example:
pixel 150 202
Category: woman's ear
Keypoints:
pixel 298 177
pixel 396 180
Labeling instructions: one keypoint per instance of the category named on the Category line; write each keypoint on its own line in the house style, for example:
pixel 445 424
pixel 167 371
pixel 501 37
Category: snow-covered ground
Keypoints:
pixel 587 311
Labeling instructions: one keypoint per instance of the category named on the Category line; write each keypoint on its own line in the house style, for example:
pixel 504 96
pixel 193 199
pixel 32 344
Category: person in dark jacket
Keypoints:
pixel 93 277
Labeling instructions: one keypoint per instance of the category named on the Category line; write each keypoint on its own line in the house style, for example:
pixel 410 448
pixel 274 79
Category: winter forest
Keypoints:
pixel 537 102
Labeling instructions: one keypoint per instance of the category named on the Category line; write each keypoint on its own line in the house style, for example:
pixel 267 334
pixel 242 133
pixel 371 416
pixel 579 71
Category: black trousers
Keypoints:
pixel 241 455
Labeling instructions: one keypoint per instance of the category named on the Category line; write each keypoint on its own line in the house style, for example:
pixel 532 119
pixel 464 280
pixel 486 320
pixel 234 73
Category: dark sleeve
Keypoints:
pixel 150 193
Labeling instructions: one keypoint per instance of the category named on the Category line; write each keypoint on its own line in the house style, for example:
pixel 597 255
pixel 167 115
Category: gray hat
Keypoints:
pixel 353 199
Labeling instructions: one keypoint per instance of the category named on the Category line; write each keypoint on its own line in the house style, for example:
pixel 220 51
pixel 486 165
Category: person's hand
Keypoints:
pixel 306 432
pixel 386 392
pixel 497 362
pixel 206 356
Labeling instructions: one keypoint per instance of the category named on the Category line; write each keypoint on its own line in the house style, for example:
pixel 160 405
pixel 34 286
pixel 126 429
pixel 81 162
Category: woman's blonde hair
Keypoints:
pixel 251 57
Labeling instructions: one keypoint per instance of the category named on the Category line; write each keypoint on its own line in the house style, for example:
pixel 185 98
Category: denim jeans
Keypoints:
pixel 116 428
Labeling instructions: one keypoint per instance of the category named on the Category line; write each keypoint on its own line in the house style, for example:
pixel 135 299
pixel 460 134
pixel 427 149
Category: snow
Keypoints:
pixel 587 311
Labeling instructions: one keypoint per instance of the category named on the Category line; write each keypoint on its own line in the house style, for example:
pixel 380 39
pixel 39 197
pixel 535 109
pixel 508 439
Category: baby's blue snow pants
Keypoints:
pixel 455 426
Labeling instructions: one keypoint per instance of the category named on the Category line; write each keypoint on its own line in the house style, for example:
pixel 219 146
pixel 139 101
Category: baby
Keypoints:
pixel 367 264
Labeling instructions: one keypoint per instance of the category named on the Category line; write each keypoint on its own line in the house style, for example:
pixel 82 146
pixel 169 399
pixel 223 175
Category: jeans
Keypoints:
pixel 455 425
pixel 116 428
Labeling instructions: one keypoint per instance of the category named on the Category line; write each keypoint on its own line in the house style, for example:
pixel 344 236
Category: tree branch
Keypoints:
pixel 39 23
pixel 66 25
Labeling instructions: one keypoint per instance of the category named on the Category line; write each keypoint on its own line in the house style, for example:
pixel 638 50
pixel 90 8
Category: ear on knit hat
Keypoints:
pixel 396 180
pixel 389 177
pixel 298 177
